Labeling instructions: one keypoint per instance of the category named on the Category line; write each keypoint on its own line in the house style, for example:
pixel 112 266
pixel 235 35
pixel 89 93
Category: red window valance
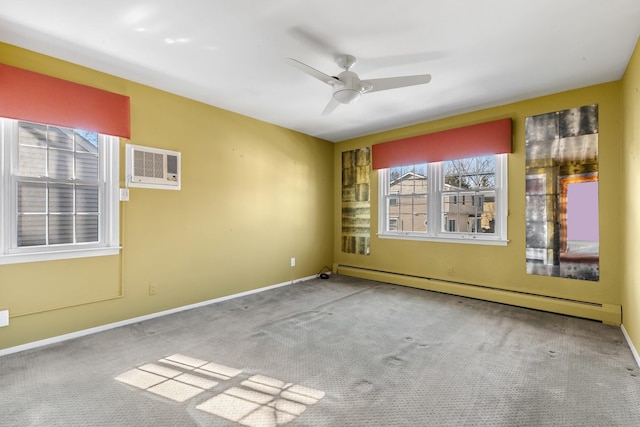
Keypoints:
pixel 469 141
pixel 26 95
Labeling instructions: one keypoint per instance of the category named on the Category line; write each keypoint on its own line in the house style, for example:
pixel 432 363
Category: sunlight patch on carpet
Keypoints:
pixel 258 400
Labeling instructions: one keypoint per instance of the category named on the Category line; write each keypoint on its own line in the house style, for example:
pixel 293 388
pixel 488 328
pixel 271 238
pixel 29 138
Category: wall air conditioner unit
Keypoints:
pixel 152 168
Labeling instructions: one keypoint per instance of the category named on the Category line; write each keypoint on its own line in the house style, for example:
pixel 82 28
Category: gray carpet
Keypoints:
pixel 337 352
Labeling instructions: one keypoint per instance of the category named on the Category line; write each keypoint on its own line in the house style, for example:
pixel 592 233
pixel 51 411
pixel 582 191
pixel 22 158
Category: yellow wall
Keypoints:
pixel 631 214
pixel 253 196
pixel 499 267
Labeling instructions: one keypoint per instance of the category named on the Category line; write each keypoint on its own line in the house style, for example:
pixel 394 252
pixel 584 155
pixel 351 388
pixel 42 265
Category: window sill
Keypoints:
pixel 57 255
pixel 461 238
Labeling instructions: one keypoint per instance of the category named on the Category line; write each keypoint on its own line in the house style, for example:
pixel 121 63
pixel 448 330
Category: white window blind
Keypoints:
pixel 59 186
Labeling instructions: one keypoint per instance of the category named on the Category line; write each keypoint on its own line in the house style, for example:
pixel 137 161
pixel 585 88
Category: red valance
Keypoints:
pixel 26 95
pixel 460 143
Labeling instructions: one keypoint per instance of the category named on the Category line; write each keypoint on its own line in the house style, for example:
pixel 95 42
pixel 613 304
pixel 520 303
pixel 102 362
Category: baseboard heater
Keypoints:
pixel 610 314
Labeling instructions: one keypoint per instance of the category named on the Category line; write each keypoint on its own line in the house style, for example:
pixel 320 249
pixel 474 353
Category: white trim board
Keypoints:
pixel 630 343
pixel 95 330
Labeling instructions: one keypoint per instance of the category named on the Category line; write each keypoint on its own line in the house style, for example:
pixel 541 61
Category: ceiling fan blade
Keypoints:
pixel 396 82
pixel 332 105
pixel 330 80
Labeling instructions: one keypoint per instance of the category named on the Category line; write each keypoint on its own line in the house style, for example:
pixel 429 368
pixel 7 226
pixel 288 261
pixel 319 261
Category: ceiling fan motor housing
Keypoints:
pixel 351 89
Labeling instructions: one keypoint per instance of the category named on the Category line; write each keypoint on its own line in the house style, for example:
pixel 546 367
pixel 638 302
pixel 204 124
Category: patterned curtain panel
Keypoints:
pixel 562 194
pixel 356 206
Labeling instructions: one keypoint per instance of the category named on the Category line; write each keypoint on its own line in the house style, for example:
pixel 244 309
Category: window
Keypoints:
pixel 474 180
pixel 461 200
pixel 60 192
pixel 407 198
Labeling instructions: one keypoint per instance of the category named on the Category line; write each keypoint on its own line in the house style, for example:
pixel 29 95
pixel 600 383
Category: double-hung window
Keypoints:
pixel 461 200
pixel 59 192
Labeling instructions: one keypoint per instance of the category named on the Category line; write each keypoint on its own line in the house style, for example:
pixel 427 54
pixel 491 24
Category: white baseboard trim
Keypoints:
pixel 84 332
pixel 630 343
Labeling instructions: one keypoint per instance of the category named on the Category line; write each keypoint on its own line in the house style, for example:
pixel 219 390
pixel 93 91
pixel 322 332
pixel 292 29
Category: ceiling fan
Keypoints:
pixel 347 86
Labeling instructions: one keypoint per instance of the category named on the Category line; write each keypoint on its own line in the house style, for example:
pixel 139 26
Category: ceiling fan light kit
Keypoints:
pixel 347 86
pixel 346 96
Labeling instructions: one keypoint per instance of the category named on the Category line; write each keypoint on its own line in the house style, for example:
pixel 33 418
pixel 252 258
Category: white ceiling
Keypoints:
pixel 231 53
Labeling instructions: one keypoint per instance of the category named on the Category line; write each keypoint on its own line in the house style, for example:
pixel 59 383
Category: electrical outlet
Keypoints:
pixel 4 318
pixel 293 262
pixel 153 289
pixel 124 194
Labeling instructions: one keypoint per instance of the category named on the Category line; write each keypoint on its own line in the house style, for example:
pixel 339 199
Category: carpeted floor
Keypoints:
pixel 337 352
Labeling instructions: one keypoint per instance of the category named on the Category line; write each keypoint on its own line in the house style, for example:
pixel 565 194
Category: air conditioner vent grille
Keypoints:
pixel 138 163
pixel 172 164
pixel 147 164
pixel 156 159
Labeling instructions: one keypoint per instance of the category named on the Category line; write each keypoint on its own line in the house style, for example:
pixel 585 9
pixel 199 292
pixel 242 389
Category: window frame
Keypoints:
pixel 436 222
pixel 109 213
